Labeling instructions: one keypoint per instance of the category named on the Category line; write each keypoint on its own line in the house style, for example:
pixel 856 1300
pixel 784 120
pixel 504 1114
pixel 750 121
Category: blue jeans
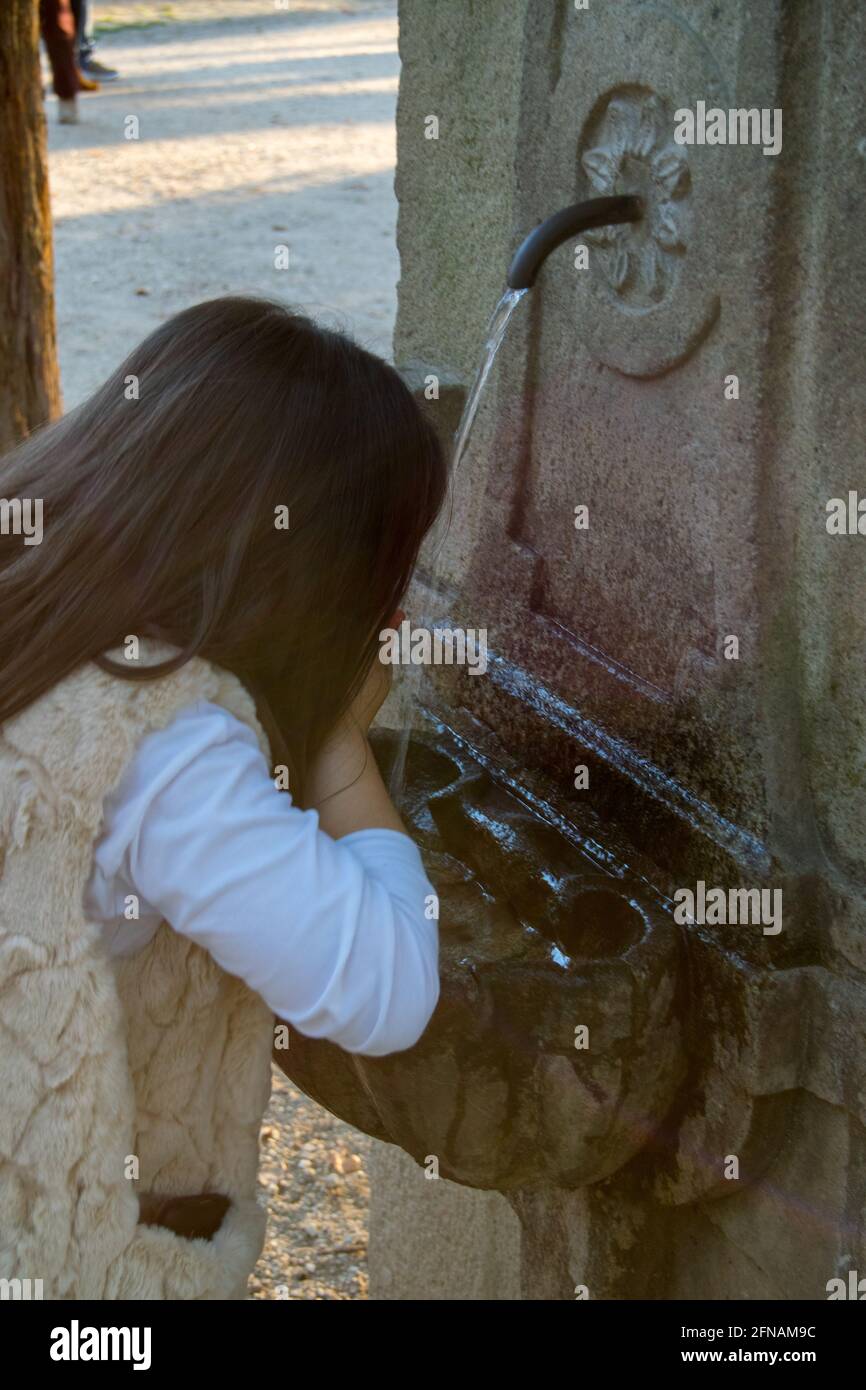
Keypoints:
pixel 83 30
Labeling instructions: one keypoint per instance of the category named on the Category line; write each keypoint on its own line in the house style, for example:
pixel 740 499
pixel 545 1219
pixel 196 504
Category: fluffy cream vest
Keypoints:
pixel 161 1057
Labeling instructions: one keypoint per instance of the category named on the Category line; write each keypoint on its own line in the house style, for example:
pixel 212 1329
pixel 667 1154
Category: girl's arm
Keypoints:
pixel 326 912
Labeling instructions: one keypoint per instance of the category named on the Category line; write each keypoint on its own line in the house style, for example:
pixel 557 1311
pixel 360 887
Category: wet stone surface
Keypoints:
pixel 555 1047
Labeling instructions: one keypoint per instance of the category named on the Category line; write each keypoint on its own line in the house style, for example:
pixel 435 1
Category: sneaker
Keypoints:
pixel 98 71
pixel 68 110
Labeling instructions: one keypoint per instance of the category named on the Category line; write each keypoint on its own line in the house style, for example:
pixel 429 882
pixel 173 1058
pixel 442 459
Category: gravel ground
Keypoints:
pixel 258 126
pixel 314 1183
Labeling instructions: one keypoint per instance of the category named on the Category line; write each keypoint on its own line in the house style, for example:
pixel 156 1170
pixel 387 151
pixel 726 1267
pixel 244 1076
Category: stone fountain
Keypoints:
pixel 676 695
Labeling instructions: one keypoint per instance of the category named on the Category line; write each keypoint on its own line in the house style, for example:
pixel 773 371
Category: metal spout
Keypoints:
pixel 534 250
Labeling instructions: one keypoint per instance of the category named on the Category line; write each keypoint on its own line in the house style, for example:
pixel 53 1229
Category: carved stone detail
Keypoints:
pixel 646 301
pixel 632 152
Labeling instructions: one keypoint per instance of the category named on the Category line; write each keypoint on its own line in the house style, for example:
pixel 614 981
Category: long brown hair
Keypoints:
pixel 160 497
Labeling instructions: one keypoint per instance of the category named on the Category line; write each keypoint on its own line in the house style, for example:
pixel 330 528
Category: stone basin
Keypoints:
pixel 555 1050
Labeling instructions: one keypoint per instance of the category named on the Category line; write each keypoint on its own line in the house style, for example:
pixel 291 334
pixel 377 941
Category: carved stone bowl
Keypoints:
pixel 555 1049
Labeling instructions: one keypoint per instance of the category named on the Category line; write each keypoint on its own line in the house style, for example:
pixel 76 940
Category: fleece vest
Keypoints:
pixel 144 1074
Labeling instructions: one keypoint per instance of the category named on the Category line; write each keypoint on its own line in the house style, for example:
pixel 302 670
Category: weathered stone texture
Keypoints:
pixel 707 521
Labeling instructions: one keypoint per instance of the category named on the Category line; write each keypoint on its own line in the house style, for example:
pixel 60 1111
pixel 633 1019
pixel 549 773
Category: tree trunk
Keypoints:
pixel 29 381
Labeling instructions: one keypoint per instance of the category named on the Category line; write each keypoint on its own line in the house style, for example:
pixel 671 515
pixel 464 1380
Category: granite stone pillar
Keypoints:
pixel 694 640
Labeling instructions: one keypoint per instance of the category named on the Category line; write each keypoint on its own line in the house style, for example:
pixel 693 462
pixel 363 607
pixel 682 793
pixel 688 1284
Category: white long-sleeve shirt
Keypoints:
pixel 337 936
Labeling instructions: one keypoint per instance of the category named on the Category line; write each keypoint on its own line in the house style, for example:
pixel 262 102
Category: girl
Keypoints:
pixel 226 526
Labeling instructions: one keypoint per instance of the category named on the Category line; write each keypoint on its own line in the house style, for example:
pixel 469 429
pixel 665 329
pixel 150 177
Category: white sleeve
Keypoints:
pixel 333 934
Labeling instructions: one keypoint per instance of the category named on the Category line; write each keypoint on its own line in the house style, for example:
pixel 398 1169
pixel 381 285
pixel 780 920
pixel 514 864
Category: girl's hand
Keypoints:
pixel 371 696
pixel 344 784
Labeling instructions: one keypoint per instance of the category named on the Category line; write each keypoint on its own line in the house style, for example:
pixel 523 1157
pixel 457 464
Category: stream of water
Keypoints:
pixel 495 333
pixel 410 679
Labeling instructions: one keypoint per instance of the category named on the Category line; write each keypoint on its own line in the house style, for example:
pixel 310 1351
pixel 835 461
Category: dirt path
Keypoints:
pixel 258 128
pixel 261 130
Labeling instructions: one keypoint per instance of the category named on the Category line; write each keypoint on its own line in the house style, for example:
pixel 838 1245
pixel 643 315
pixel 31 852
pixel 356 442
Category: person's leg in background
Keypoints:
pixel 83 31
pixel 83 40
pixel 58 33
pixel 88 64
pixel 79 14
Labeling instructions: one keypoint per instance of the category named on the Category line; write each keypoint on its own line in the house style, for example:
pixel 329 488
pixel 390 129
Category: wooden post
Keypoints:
pixel 29 379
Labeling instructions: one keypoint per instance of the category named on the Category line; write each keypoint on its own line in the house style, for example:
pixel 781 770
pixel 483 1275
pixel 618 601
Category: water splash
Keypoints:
pixel 410 685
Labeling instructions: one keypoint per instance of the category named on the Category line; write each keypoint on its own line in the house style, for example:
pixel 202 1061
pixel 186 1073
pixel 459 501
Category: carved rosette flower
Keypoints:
pixel 632 152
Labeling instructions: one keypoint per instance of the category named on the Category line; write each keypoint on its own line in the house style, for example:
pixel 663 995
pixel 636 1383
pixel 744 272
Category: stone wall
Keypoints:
pixel 707 511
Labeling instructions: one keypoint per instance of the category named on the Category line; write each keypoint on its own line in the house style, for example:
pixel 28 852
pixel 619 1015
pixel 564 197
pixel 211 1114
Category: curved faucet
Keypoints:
pixel 534 250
